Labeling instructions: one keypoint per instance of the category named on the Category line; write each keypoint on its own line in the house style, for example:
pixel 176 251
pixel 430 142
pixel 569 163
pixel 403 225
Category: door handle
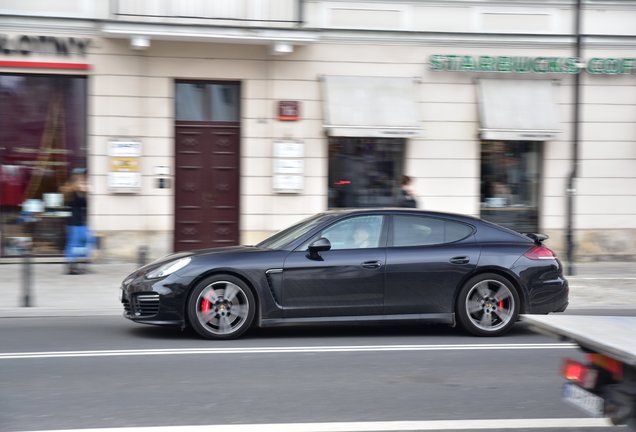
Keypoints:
pixel 460 260
pixel 372 264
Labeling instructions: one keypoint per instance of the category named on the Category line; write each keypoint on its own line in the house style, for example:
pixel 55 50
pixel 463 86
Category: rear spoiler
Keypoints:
pixel 537 238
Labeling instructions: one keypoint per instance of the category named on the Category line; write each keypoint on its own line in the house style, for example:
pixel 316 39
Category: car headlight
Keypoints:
pixel 168 268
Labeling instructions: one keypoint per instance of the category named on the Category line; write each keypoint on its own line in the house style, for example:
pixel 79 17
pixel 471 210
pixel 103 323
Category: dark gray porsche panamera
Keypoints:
pixel 353 266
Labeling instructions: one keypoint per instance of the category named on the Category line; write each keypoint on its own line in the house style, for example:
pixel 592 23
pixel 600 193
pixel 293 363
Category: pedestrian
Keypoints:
pixel 407 193
pixel 78 237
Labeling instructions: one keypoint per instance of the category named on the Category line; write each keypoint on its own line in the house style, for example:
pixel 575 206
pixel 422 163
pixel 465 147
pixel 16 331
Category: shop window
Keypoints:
pixel 510 183
pixel 43 138
pixel 365 172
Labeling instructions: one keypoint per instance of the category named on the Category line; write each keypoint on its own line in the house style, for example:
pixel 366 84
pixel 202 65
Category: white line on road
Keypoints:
pixel 385 426
pixel 282 350
pixel 596 278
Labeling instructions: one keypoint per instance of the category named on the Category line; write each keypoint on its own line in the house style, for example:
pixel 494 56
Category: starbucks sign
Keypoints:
pixel 535 65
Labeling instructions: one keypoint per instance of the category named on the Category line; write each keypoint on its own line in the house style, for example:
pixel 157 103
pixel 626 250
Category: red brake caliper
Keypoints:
pixel 500 304
pixel 205 306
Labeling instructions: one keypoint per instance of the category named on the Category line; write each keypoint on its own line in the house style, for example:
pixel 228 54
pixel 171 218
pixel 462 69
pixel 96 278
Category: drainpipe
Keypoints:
pixel 301 13
pixel 571 187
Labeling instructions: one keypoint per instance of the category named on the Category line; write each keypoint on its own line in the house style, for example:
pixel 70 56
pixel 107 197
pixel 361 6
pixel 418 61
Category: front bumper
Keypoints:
pixel 155 301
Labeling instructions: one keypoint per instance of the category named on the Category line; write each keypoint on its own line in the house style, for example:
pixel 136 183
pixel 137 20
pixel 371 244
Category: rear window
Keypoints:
pixel 411 230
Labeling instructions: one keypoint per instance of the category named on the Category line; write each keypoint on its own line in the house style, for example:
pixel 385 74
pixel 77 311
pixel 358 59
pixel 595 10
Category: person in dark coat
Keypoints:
pixel 407 193
pixel 78 237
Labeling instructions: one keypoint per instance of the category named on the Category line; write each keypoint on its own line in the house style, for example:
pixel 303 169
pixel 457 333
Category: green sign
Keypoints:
pixel 538 65
pixel 611 66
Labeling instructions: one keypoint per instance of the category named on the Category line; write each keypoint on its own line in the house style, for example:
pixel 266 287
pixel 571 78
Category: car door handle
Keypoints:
pixel 460 260
pixel 372 264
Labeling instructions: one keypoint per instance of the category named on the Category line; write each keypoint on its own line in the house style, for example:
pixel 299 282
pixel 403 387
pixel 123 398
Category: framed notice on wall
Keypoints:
pixel 124 174
pixel 289 167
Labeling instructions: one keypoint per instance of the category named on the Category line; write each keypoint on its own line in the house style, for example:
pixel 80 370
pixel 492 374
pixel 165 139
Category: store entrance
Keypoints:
pixel 207 160
pixel 510 176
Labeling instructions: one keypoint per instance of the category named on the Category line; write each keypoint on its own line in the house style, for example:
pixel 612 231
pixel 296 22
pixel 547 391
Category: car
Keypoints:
pixel 380 265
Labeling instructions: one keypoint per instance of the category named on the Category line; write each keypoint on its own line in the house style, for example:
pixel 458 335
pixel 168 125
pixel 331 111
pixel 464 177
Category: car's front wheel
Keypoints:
pixel 221 307
pixel 488 305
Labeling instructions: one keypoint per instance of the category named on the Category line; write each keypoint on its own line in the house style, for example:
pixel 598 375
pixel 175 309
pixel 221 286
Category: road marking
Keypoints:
pixel 593 278
pixel 385 426
pixel 283 350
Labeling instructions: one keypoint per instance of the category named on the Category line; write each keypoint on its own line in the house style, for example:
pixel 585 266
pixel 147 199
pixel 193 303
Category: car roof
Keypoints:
pixel 402 210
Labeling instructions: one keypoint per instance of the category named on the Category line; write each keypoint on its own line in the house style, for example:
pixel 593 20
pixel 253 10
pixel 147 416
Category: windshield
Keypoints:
pixel 282 238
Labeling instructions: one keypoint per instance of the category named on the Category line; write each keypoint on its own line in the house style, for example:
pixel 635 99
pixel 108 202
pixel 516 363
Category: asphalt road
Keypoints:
pixel 106 372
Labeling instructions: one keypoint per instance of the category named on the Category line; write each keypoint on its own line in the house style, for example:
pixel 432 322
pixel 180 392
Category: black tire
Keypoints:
pixel 487 305
pixel 221 307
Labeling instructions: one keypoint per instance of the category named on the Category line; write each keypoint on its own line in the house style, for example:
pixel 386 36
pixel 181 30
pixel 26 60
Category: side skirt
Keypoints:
pixel 444 318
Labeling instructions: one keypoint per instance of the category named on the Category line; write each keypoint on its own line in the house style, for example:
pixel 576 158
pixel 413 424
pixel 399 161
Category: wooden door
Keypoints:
pixel 207 180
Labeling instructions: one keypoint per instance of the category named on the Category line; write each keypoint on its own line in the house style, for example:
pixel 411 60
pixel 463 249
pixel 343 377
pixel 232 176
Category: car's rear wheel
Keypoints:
pixel 221 307
pixel 488 305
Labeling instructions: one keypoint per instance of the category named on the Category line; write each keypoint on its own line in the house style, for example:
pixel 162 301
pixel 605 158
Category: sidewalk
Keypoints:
pixel 53 293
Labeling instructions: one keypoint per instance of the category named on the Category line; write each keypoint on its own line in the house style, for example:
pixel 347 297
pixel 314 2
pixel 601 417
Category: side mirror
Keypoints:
pixel 320 245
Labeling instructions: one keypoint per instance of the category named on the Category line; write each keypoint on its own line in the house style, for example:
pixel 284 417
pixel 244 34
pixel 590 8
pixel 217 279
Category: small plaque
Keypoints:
pixel 288 110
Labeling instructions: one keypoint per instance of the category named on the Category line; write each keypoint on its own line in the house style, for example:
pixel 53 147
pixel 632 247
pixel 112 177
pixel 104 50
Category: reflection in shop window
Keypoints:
pixel 510 183
pixel 42 137
pixel 365 172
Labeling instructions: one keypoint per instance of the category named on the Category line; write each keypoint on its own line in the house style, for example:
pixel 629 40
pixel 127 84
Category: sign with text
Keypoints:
pixel 536 65
pixel 288 110
pixel 288 167
pixel 124 175
pixel 16 49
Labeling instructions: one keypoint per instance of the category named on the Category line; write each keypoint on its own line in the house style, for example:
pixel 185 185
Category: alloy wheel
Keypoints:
pixel 222 308
pixel 490 305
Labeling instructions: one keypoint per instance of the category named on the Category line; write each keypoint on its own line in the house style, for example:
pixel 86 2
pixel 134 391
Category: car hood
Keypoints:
pixel 227 250
pixel 221 253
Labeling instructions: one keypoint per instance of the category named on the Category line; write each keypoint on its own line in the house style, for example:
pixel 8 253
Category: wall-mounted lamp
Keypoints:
pixel 280 48
pixel 139 42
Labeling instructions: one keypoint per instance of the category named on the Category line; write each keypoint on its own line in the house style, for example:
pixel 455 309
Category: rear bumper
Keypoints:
pixel 553 296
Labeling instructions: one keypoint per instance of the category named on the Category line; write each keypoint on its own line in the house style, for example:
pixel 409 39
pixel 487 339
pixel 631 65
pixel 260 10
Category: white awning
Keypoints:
pixel 518 110
pixel 357 106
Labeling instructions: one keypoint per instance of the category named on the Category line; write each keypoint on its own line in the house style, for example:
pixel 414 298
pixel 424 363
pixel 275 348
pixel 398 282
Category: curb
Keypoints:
pixel 40 312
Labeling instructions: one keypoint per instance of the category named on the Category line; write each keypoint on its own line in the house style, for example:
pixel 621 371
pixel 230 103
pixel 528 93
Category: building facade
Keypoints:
pixel 205 124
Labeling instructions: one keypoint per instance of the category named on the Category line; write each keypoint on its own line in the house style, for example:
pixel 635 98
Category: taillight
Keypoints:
pixel 614 367
pixel 579 373
pixel 540 253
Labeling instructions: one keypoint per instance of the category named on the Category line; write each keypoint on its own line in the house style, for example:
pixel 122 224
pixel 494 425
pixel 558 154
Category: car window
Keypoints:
pixel 290 234
pixel 354 233
pixel 423 231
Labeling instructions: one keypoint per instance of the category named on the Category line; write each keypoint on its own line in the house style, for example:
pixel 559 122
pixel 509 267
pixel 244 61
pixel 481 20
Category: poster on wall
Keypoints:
pixel 124 175
pixel 289 167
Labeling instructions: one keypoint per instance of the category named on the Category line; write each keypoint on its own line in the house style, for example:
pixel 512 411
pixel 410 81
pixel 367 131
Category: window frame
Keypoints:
pixel 207 102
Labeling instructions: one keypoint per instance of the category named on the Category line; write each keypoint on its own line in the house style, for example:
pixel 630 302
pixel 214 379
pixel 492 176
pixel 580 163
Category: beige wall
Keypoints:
pixel 131 96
